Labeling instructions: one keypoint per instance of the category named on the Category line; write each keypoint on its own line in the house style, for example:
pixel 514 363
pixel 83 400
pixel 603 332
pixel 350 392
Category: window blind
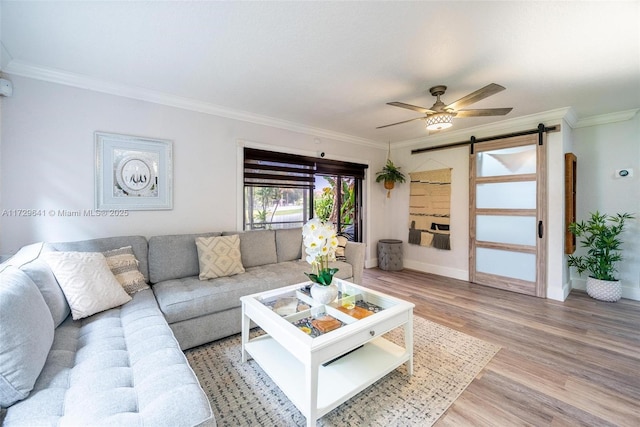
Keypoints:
pixel 264 168
pixel 270 169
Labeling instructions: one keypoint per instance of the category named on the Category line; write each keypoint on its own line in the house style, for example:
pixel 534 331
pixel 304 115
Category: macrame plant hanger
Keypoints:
pixel 388 158
pixel 390 174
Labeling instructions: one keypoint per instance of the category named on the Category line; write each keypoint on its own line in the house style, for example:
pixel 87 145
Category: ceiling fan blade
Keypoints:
pixel 485 92
pixel 411 107
pixel 483 112
pixel 399 123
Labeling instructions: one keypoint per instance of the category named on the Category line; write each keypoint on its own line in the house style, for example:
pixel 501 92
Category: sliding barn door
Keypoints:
pixel 507 214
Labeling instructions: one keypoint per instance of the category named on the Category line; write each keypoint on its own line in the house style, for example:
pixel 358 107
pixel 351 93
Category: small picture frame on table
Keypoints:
pixel 133 173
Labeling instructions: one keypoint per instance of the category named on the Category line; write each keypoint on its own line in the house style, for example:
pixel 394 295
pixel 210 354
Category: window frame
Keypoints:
pixel 262 168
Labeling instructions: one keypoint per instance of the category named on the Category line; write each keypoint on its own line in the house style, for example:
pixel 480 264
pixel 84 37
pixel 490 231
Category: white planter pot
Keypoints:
pixel 324 294
pixel 604 290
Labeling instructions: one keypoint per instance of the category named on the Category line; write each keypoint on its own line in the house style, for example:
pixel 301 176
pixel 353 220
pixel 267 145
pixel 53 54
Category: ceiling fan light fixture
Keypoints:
pixel 439 121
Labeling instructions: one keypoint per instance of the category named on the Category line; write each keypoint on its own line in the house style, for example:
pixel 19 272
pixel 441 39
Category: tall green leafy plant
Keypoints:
pixel 601 236
pixel 348 208
pixel 323 204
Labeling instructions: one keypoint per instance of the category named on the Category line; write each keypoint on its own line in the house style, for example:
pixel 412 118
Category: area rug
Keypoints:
pixel 445 363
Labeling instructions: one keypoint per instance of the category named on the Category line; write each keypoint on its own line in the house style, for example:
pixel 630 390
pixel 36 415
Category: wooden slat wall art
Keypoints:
pixel 430 208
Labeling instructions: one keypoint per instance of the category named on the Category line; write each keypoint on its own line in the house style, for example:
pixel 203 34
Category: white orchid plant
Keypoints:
pixel 320 242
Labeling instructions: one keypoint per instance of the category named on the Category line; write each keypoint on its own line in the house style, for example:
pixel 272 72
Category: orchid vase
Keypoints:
pixel 320 242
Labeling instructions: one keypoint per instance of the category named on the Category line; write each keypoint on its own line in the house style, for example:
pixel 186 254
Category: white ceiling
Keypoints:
pixel 334 65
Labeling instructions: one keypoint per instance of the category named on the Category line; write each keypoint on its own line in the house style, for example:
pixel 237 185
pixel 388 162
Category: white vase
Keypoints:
pixel 604 290
pixel 324 294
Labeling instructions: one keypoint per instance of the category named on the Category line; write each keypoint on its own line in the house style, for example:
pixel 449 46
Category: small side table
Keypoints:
pixel 390 254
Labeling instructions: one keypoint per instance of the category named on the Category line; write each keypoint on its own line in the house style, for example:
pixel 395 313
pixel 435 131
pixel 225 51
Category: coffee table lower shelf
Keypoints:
pixel 338 381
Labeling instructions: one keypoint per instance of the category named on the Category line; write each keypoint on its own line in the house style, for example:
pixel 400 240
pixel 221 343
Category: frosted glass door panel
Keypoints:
pixel 518 265
pixel 506 195
pixel 507 161
pixel 517 230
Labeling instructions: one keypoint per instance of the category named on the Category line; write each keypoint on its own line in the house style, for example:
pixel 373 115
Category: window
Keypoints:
pixel 285 190
pixel 278 190
pixel 337 199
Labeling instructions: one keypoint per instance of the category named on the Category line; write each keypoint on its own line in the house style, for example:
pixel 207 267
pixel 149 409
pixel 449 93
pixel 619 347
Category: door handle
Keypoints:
pixel 540 229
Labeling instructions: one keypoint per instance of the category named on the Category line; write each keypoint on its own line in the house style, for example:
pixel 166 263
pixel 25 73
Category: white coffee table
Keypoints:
pixel 294 353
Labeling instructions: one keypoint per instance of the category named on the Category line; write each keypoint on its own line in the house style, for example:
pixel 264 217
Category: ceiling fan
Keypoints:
pixel 440 116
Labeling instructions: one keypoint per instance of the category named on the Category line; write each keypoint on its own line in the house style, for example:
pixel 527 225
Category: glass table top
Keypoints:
pixel 296 305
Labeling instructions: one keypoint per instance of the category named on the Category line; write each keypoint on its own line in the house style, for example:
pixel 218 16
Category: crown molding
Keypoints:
pixel 24 69
pixel 602 119
pixel 568 114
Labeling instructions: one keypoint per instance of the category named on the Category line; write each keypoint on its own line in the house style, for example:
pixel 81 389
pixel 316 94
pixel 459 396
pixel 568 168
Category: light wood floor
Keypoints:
pixel 561 364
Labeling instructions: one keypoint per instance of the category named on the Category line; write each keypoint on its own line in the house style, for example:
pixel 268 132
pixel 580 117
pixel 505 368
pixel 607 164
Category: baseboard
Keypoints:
pixel 628 292
pixel 631 293
pixel 559 294
pixel 426 268
pixel 371 263
pixel 453 273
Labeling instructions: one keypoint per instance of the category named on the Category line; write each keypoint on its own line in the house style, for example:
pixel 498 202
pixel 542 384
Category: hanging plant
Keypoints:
pixel 389 175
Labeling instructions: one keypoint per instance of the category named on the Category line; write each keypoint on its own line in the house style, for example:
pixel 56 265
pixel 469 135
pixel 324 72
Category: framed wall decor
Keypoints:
pixel 133 173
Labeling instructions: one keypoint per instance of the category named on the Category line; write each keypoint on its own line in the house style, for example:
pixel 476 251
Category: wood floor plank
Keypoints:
pixel 567 363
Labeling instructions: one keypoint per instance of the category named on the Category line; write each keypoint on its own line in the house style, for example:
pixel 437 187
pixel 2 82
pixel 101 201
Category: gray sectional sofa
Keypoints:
pixel 125 365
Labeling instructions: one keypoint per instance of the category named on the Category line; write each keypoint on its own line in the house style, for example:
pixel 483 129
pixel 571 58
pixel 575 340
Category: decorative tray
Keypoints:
pixel 316 326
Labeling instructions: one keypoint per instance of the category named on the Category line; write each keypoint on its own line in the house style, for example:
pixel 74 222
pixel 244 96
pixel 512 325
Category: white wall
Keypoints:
pixel 558 143
pixel 48 162
pixel 451 263
pixel 600 150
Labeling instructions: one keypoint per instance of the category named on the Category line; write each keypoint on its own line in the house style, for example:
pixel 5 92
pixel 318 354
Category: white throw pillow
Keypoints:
pixel 219 256
pixel 87 282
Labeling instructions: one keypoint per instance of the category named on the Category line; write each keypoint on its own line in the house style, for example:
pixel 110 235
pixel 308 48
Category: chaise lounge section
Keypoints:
pixel 121 366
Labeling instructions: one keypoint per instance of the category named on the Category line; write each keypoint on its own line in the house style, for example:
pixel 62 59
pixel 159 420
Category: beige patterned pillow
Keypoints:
pixel 219 256
pixel 124 266
pixel 342 244
pixel 86 281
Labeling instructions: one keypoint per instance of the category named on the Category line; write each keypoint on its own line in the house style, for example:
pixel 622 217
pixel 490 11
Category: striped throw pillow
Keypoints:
pixel 124 265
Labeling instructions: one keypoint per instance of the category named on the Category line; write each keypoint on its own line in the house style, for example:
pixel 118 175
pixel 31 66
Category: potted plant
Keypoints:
pixel 320 242
pixel 600 235
pixel 390 174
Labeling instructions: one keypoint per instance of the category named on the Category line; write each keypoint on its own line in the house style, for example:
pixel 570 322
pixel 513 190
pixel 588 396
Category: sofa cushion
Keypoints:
pixel 219 256
pixel 28 260
pixel 258 247
pixel 289 244
pixel 25 255
pixel 26 334
pixel 189 297
pixel 174 256
pixel 87 282
pixel 120 367
pixel 124 266
pixel 40 272
pixel 138 243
